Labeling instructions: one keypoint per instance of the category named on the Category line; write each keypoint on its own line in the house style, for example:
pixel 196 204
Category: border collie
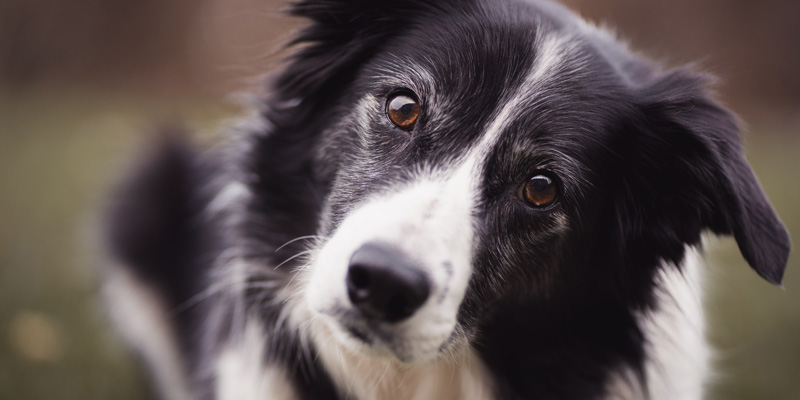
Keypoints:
pixel 452 199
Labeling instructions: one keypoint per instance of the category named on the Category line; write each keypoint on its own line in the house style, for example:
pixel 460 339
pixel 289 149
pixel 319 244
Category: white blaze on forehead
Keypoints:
pixel 550 53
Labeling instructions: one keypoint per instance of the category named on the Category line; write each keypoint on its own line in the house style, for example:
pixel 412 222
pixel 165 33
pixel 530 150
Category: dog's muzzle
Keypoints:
pixel 390 280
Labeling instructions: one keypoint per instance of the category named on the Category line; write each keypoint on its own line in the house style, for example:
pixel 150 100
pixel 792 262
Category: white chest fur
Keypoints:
pixel 461 376
pixel 678 356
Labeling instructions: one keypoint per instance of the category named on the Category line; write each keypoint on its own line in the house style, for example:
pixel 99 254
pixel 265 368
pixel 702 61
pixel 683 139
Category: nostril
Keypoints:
pixel 384 284
pixel 358 283
pixel 359 277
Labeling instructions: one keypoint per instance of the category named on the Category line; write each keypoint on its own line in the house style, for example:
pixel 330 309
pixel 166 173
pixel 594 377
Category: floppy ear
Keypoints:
pixel 688 164
pixel 343 34
pixel 149 224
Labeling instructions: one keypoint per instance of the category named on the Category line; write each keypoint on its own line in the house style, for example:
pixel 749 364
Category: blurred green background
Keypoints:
pixel 82 82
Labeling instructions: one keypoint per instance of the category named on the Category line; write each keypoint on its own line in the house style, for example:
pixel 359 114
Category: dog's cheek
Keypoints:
pixel 326 290
pixel 518 257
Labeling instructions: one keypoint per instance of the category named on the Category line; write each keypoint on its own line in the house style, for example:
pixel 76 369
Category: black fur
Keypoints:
pixel 647 159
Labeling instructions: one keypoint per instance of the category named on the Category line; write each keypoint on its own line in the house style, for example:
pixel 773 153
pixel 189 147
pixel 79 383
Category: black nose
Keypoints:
pixel 384 284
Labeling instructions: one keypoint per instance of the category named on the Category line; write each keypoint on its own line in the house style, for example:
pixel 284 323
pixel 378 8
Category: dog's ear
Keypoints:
pixel 689 169
pixel 149 223
pixel 343 34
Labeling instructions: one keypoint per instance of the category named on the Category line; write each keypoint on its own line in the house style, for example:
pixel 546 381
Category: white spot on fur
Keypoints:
pixel 143 321
pixel 241 373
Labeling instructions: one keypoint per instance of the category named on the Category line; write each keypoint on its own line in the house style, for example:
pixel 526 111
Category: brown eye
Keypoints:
pixel 403 111
pixel 540 191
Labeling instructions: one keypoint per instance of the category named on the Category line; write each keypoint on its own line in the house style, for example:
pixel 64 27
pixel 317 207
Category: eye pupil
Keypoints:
pixel 541 183
pixel 403 111
pixel 540 191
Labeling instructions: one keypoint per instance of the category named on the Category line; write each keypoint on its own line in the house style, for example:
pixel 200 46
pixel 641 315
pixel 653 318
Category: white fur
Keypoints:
pixel 142 320
pixel 364 111
pixel 677 353
pixel 241 373
pixel 550 53
pixel 460 377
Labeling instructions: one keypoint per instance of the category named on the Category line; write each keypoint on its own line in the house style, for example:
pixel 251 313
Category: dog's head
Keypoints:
pixel 480 153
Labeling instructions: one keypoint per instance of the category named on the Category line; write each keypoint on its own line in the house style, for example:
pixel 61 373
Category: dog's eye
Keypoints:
pixel 403 111
pixel 540 191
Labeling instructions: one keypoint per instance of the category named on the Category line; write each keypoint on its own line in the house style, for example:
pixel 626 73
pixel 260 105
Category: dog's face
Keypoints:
pixel 476 157
pixel 450 164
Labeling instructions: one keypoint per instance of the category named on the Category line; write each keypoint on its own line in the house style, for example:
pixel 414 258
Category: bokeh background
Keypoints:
pixel 82 82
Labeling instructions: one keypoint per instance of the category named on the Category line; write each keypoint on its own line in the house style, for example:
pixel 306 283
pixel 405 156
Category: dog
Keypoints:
pixel 452 199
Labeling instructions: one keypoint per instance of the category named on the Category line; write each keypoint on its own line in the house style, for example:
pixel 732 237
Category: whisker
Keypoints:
pixel 270 281
pixel 307 237
pixel 302 253
pixel 203 295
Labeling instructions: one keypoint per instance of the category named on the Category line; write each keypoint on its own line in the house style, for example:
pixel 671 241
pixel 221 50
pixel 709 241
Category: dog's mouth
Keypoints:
pixel 409 342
